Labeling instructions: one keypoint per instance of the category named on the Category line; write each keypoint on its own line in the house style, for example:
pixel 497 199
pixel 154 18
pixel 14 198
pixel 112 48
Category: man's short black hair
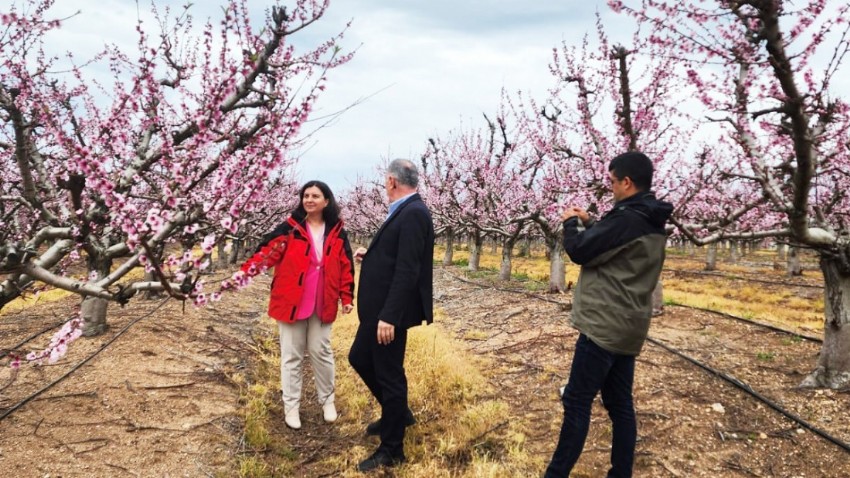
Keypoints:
pixel 633 165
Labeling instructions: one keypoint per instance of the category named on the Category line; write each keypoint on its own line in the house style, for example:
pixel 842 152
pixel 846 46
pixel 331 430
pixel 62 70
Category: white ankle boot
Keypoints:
pixel 329 412
pixel 293 419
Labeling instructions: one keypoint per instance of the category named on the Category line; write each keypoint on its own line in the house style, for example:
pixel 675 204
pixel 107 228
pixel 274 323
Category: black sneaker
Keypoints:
pixel 378 459
pixel 374 428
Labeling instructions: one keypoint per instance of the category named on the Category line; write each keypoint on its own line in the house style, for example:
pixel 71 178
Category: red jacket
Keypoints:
pixel 288 250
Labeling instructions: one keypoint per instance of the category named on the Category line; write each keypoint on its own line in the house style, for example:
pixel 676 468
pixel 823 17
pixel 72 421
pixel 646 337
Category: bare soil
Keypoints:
pixel 158 401
pixel 690 422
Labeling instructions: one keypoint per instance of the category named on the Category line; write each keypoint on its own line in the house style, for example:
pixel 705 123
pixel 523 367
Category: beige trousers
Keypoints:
pixel 314 337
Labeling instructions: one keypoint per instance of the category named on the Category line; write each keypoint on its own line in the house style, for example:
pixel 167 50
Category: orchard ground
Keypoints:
pixel 195 392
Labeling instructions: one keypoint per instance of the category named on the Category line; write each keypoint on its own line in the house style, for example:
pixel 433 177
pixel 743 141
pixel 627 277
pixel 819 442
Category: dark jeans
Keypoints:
pixel 595 369
pixel 382 369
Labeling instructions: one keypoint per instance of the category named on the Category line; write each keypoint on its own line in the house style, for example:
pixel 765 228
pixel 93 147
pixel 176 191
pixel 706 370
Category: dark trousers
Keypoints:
pixel 382 369
pixel 595 369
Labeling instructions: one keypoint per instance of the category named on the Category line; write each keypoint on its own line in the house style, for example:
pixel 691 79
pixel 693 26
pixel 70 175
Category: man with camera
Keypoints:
pixel 621 256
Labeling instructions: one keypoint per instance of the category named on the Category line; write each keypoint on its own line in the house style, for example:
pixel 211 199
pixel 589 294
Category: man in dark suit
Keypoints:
pixel 395 294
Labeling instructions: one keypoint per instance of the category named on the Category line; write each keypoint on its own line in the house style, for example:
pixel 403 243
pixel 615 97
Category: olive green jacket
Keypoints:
pixel 621 256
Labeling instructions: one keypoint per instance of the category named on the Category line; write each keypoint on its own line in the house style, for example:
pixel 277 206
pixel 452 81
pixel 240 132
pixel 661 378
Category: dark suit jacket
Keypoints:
pixel 396 275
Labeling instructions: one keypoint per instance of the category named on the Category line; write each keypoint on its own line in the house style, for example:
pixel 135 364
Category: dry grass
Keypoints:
pixel 462 431
pixel 22 303
pixel 765 303
pixel 778 307
pixel 263 453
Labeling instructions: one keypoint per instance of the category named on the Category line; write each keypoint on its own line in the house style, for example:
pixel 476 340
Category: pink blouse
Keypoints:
pixel 311 299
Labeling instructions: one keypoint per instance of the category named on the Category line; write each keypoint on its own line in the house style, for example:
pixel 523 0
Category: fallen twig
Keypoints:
pixel 487 432
pixel 125 470
pixel 160 387
pixel 91 393
pixel 102 442
pixel 669 468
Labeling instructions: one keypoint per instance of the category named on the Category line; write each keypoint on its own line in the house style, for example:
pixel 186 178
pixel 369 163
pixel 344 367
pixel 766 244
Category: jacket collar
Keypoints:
pixel 409 201
pixel 300 227
pixel 636 197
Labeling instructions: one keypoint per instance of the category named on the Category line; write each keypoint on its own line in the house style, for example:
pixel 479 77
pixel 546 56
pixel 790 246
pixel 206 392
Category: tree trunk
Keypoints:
pixel 93 309
pixel 557 269
pixel 711 257
pixel 778 262
pixel 506 266
pixel 236 250
pixel 475 243
pixel 222 254
pixel 780 252
pixel 494 248
pixel 734 254
pixel 450 244
pixel 525 247
pixel 794 268
pixel 833 369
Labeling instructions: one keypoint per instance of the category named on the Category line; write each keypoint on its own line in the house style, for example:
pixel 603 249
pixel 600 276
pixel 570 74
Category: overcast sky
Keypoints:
pixel 424 65
pixel 435 63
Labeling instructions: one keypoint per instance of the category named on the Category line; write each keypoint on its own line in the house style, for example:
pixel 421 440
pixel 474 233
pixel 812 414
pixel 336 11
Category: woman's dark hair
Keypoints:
pixel 331 212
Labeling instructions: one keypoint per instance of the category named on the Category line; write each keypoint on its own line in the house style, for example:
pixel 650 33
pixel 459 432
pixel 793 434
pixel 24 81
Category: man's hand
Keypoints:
pixel 347 308
pixel 573 211
pixel 386 332
pixel 359 253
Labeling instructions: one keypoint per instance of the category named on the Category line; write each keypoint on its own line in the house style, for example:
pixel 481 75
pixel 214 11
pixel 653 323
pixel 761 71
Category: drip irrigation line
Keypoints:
pixel 749 279
pixel 753 322
pixel 75 367
pixel 5 352
pixel 746 388
pixel 737 383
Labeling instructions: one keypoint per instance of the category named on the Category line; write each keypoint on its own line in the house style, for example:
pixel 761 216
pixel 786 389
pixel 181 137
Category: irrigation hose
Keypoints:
pixel 753 322
pixel 737 383
pixel 746 388
pixel 75 367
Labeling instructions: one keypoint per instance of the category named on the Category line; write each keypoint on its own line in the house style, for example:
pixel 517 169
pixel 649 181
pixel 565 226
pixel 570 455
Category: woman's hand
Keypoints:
pixel 346 309
pixel 359 253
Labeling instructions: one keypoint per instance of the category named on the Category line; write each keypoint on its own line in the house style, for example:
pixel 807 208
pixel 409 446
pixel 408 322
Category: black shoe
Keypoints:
pixel 374 428
pixel 378 459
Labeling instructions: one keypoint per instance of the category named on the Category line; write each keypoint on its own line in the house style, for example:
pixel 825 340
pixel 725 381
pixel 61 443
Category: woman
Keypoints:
pixel 313 273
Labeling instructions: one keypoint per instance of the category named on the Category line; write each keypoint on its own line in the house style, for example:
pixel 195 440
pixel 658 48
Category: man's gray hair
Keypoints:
pixel 404 170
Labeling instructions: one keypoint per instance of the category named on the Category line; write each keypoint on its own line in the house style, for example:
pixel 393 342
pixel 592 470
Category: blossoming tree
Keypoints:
pixel 767 70
pixel 186 136
pixel 607 99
